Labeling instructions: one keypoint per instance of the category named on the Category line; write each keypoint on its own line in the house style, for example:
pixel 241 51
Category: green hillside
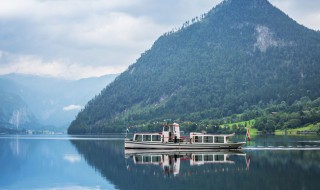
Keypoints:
pixel 240 54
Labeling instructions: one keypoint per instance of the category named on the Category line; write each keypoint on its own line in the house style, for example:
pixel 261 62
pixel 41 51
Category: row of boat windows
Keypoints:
pixel 148 158
pixel 147 138
pixel 207 158
pixel 196 158
pixel 208 139
pixel 196 139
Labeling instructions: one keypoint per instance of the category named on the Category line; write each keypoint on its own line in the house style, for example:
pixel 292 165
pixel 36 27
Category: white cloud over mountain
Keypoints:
pixel 72 107
pixel 79 38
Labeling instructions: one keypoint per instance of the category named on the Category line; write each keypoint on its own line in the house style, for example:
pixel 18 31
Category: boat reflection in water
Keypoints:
pixel 171 161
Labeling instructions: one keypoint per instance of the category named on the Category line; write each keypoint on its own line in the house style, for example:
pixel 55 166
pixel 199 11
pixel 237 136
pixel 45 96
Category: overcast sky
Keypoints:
pixel 83 38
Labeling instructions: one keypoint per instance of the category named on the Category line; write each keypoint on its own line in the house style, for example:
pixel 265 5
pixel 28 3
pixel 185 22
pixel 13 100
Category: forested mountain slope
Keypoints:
pixel 239 54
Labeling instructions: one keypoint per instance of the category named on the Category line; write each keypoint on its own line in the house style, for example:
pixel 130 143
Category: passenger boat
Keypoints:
pixel 170 138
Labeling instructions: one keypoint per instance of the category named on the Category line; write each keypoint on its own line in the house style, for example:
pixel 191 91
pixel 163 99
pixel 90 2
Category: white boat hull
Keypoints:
pixel 170 145
pixel 130 152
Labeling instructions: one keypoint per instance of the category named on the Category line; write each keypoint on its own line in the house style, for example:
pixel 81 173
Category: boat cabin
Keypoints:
pixel 209 138
pixel 171 133
pixel 147 137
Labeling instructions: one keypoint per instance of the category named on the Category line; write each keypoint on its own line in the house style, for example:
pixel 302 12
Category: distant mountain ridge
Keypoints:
pixel 44 102
pixel 241 53
pixel 15 113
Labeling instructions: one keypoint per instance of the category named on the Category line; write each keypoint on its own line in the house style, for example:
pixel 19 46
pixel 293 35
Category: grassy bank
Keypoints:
pixel 254 131
pixel 310 127
pixel 249 124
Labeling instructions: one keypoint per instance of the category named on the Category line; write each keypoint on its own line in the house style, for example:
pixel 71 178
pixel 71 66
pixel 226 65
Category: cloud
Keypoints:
pixel 44 9
pixel 115 29
pixel 80 38
pixel 28 64
pixel 72 187
pixel 74 39
pixel 304 12
pixel 72 158
pixel 72 107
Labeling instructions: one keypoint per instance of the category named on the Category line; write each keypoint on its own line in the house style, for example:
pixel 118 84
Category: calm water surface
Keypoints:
pixel 64 162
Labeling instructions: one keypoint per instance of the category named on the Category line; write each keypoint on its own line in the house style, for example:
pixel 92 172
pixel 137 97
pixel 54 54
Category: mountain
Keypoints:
pixel 52 102
pixel 239 54
pixel 15 113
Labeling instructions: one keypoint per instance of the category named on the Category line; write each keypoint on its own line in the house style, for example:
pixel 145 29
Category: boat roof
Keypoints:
pixel 191 133
pixel 208 134
pixel 148 133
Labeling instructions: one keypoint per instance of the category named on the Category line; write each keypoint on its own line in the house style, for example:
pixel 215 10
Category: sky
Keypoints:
pixel 75 39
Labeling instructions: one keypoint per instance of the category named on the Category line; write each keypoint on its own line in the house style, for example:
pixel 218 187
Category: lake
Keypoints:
pixel 100 162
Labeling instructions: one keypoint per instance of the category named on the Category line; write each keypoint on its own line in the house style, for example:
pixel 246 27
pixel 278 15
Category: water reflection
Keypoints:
pixel 158 170
pixel 246 169
pixel 54 162
pixel 171 162
pixel 40 162
pixel 18 148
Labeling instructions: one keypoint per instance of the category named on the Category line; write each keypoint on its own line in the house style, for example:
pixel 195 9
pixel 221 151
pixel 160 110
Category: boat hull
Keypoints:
pixel 130 152
pixel 170 145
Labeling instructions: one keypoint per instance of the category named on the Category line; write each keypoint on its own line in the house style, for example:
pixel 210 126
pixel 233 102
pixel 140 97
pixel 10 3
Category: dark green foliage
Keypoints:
pixel 281 116
pixel 241 53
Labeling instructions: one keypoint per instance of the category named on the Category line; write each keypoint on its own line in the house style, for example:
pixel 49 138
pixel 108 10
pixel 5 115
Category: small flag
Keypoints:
pixel 248 134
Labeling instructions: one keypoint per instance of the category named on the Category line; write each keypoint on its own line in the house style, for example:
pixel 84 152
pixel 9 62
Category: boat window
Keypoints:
pixel 219 157
pixel 208 139
pixel 198 139
pixel 138 138
pixel 166 128
pixel 146 159
pixel 197 158
pixel 156 159
pixel 138 158
pixel 156 138
pixel 208 158
pixel 146 137
pixel 219 139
